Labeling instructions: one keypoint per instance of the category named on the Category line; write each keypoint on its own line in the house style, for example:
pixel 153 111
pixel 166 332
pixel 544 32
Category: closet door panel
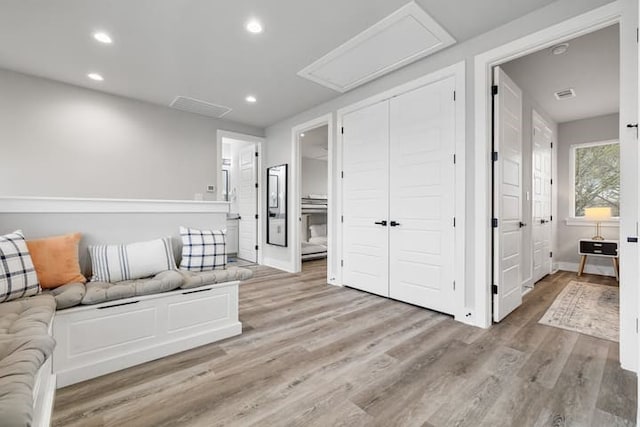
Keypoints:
pixel 422 184
pixel 365 199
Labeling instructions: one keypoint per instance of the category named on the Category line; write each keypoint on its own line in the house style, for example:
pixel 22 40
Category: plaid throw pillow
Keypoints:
pixel 18 277
pixel 203 250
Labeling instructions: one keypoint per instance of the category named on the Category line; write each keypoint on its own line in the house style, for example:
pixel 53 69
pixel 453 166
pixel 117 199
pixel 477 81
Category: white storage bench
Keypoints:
pixel 99 339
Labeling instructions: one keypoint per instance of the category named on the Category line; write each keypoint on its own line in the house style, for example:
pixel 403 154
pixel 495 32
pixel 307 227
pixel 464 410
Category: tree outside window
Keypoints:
pixel 596 177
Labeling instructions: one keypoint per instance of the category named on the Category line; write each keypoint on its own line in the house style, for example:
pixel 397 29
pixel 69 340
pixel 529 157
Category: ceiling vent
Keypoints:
pixel 405 36
pixel 565 94
pixel 197 106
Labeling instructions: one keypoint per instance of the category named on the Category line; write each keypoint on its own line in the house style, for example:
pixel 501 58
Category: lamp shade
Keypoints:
pixel 597 214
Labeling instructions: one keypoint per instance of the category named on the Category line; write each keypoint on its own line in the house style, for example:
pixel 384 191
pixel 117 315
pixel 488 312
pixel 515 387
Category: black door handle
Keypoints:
pixel 632 125
pixel 522 224
pixel 543 221
pixel 382 223
pixel 394 224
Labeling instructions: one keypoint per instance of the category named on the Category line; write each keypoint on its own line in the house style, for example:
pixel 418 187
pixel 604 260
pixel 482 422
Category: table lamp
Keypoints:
pixel 598 215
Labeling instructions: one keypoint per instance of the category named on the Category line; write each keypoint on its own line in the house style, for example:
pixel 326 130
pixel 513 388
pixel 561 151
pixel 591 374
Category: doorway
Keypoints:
pixel 240 181
pixel 544 105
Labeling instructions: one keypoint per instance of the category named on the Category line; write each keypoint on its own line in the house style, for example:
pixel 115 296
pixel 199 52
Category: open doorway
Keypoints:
pixel 239 187
pixel 556 164
pixel 314 201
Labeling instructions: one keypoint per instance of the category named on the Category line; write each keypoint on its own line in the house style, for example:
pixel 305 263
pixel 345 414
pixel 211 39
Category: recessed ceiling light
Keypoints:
pixel 254 26
pixel 251 99
pixel 103 37
pixel 302 135
pixel 560 49
pixel 95 76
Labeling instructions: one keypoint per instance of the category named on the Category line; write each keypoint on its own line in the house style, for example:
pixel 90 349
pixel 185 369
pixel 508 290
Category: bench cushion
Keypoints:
pixel 193 279
pixel 98 292
pixel 68 295
pixel 25 345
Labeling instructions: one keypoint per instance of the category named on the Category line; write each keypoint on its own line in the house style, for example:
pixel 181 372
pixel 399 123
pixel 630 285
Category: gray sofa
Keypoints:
pixel 25 346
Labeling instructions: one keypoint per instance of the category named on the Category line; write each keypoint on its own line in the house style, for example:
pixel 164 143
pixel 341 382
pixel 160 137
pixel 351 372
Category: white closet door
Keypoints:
pixel 365 199
pixel 507 181
pixel 247 205
pixel 542 137
pixel 422 188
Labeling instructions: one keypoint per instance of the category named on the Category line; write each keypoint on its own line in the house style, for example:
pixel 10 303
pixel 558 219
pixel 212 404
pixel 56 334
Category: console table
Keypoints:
pixel 601 248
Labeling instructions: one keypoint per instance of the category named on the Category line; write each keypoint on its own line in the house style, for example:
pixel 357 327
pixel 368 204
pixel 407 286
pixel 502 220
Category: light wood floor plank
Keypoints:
pixel 317 355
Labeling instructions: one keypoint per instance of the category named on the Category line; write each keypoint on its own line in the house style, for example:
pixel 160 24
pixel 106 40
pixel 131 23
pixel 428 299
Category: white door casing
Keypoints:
pixel 422 196
pixel 365 199
pixel 507 201
pixel 542 199
pixel 248 204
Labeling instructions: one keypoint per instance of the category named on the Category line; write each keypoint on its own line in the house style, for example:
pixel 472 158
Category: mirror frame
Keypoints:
pixel 285 188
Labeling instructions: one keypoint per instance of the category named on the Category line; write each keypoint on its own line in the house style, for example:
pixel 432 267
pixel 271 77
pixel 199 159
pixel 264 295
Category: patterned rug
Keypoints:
pixel 587 308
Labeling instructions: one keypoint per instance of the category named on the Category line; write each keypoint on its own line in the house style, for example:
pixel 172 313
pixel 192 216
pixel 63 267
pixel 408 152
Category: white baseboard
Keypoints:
pixel 589 269
pixel 278 265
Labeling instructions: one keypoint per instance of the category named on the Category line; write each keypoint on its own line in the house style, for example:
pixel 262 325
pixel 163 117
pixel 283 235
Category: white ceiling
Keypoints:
pixel 315 143
pixel 591 66
pixel 200 49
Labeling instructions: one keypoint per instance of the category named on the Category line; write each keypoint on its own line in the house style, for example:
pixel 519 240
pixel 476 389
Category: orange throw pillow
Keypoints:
pixel 56 260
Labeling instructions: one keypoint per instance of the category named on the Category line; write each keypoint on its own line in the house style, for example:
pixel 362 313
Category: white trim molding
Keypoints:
pixel 583 222
pixel 89 205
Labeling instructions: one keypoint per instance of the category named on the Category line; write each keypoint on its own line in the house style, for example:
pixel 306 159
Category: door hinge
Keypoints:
pixel 454 95
pixel 494 90
pixel 342 130
pixel 342 174
pixel 636 325
pixel 341 218
pixel 256 185
pixel 256 216
pixel 256 154
pixel 454 159
pixel 341 263
pixel 494 289
pixel 551 218
pixel 494 222
pixel 551 144
pixel 551 180
pixel 454 221
pixel 256 247
pixel 454 285
pixel 494 156
pixel 550 254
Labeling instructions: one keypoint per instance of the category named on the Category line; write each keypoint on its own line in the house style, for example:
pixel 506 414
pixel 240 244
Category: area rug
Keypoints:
pixel 587 308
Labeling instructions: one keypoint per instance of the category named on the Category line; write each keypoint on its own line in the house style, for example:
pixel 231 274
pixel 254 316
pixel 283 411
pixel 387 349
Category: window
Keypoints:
pixel 596 176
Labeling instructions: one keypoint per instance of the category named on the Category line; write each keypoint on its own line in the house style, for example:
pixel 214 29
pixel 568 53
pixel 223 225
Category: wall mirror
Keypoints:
pixel 277 205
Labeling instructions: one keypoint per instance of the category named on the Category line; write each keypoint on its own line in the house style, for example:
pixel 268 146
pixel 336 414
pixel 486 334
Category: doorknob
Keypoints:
pixel 522 224
pixel 394 224
pixel 382 223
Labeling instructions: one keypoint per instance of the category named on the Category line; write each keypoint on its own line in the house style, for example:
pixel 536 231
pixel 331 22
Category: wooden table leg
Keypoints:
pixel 583 261
pixel 616 268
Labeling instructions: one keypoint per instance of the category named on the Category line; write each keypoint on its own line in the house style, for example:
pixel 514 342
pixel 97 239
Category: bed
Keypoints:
pixel 316 246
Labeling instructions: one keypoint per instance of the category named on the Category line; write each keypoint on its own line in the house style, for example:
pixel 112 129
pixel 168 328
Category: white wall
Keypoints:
pixel 279 146
pixel 59 140
pixel 314 176
pixel 603 128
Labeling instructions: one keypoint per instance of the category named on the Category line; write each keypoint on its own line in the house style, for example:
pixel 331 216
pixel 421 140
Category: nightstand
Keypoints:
pixel 601 248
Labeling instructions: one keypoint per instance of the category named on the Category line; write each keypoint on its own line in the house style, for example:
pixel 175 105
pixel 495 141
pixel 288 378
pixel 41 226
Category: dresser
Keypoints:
pixel 599 248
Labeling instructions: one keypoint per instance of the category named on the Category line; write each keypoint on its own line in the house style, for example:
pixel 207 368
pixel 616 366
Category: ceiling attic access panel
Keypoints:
pixel 403 37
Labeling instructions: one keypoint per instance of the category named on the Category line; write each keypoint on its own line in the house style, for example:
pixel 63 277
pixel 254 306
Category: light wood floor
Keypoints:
pixel 317 355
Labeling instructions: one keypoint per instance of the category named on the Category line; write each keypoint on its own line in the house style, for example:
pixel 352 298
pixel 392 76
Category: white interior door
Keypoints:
pixel 542 154
pixel 422 204
pixel 248 204
pixel 365 199
pixel 507 201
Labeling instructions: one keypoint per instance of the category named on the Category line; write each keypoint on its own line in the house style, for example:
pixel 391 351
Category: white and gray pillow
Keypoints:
pixel 18 277
pixel 115 263
pixel 203 250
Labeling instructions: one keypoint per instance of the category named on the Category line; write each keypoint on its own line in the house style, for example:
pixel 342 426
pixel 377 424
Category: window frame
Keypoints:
pixel 572 170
